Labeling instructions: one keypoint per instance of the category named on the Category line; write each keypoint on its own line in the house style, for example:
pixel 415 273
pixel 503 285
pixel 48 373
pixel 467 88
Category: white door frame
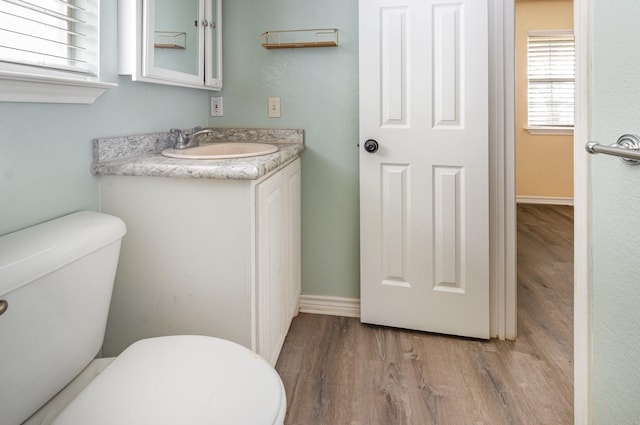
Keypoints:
pixel 502 181
pixel 502 194
pixel 582 383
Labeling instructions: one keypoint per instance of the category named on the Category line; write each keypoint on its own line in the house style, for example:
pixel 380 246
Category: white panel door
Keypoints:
pixel 424 194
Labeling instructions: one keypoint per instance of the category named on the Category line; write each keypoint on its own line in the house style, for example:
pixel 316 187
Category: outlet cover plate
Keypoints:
pixel 216 106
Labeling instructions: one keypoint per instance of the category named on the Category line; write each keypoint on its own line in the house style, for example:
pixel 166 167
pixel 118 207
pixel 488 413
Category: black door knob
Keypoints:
pixel 371 146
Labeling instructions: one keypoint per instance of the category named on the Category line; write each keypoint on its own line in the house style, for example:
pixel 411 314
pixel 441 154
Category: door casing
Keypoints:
pixel 502 196
pixel 502 193
pixel 582 382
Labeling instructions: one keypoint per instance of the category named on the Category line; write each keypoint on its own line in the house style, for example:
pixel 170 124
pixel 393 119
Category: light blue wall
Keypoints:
pixel 45 149
pixel 615 218
pixel 319 92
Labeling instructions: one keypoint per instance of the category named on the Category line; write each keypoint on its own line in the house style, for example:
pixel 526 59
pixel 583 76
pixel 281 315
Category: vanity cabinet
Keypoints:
pixel 278 259
pixel 171 42
pixel 206 256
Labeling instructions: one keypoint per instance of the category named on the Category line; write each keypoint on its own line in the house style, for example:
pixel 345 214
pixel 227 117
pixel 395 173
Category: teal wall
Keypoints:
pixel 615 215
pixel 319 93
pixel 45 150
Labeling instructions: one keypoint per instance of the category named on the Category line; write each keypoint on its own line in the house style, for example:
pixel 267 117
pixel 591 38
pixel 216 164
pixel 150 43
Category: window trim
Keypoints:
pixel 550 130
pixel 27 83
pixel 23 87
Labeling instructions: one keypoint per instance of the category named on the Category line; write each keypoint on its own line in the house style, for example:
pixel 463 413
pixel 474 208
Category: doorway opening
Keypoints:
pixel 544 193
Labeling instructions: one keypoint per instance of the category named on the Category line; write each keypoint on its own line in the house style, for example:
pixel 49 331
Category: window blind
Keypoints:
pixel 551 75
pixel 50 34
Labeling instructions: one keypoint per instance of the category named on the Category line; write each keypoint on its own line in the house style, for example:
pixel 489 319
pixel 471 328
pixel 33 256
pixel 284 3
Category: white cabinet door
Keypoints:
pixel 183 65
pixel 169 42
pixel 213 44
pixel 293 223
pixel 270 267
pixel 278 258
pixel 424 195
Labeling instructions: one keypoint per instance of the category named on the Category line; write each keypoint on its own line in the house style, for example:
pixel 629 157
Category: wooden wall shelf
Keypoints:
pixel 290 39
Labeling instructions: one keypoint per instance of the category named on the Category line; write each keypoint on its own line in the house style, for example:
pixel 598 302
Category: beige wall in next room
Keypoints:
pixel 544 163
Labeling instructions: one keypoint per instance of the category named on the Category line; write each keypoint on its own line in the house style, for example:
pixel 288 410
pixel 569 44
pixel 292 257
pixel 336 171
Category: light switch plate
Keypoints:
pixel 274 107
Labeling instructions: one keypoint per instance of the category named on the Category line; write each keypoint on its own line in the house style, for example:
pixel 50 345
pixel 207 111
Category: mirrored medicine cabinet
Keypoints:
pixel 171 42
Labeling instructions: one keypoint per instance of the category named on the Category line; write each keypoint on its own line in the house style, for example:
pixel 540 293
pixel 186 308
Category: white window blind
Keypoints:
pixel 45 36
pixel 551 75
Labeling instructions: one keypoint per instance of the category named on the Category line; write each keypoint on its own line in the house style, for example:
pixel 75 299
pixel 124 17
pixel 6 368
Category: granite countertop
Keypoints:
pixel 139 155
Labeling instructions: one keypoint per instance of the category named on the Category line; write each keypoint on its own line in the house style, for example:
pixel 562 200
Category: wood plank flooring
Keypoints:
pixel 338 371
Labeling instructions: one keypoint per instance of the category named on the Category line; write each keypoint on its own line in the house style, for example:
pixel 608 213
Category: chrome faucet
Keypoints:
pixel 188 139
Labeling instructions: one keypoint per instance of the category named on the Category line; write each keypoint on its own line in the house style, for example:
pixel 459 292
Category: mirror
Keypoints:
pixel 176 44
pixel 182 39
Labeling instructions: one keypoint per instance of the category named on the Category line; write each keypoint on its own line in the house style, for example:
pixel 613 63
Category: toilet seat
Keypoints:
pixel 190 380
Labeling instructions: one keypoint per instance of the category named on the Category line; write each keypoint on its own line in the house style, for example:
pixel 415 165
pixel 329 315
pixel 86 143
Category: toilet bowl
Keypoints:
pixel 55 286
pixel 181 380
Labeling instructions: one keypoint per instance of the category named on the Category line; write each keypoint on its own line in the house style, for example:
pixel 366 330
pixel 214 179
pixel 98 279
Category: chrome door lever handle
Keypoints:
pixel 627 148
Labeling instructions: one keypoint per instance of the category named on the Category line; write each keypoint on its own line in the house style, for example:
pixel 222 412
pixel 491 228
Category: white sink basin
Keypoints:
pixel 222 151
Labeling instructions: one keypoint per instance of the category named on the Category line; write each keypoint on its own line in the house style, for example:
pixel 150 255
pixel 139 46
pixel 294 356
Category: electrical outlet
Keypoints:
pixel 274 107
pixel 216 106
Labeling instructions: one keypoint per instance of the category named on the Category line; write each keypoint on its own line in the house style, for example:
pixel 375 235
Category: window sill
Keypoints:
pixel 550 131
pixel 19 87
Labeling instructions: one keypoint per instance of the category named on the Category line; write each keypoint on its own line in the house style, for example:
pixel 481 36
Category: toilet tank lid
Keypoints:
pixel 183 379
pixel 31 253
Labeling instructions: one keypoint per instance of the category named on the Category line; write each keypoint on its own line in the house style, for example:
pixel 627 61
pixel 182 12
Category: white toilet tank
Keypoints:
pixel 56 280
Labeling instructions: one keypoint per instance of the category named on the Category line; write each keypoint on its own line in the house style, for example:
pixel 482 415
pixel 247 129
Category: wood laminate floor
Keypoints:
pixel 337 371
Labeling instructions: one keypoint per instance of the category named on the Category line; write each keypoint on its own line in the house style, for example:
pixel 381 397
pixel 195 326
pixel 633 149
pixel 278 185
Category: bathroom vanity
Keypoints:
pixel 212 246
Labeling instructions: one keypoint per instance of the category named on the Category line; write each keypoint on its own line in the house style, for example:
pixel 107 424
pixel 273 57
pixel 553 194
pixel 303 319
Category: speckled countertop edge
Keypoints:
pixel 139 155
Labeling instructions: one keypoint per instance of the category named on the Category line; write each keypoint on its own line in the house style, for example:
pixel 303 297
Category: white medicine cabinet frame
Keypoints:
pixel 145 25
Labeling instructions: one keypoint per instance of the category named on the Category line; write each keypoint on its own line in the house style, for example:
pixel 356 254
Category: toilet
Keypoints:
pixel 56 280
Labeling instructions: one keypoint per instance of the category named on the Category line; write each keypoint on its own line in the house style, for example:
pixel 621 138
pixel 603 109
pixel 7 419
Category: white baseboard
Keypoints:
pixel 548 200
pixel 333 306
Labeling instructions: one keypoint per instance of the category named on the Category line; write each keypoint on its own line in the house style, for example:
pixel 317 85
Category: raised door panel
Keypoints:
pixel 270 267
